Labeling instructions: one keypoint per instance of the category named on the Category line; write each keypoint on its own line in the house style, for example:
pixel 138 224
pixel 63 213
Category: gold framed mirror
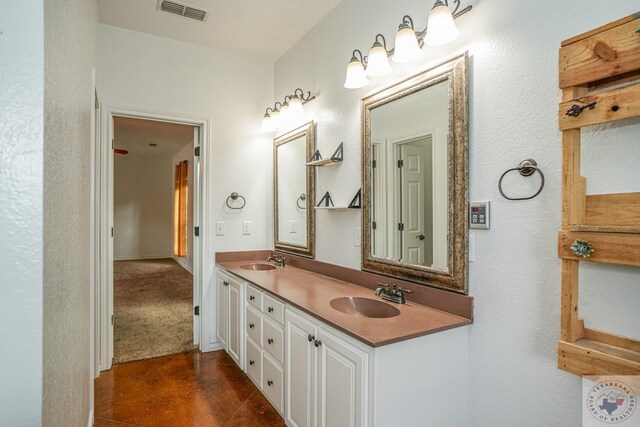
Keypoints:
pixel 294 192
pixel 415 178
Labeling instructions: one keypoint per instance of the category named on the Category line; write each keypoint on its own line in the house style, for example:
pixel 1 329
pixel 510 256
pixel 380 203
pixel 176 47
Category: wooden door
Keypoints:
pixel 223 307
pixel 234 339
pixel 342 383
pixel 300 370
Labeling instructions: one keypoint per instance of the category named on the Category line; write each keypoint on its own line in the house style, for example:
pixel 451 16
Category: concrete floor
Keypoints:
pixel 192 389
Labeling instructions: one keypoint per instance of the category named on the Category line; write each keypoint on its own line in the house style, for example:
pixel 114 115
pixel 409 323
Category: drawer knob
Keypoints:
pixel 251 325
pixel 317 343
pixel 269 383
pixel 251 298
pixel 251 362
pixel 270 340
pixel 270 309
pixel 310 337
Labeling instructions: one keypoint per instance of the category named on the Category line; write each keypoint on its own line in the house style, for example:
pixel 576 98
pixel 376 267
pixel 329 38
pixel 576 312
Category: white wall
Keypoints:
pixel 187 154
pixel 70 44
pixel 21 216
pixel 145 72
pixel 143 206
pixel 515 279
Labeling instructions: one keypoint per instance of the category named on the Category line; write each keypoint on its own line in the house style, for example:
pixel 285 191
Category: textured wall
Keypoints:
pixel 141 71
pixel 143 206
pixel 21 133
pixel 515 279
pixel 70 40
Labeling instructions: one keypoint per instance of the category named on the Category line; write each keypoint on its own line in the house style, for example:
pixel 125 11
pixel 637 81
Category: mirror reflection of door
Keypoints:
pixel 415 203
pixel 409 178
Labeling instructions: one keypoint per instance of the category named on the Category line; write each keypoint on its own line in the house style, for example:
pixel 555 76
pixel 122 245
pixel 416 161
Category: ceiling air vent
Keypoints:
pixel 182 10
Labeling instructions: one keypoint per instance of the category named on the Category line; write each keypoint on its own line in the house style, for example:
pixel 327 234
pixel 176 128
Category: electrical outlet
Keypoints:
pixel 357 237
pixel 293 226
pixel 246 227
pixel 220 228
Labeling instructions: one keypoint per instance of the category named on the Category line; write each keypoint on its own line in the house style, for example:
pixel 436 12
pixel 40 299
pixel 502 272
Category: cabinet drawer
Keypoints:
pixel 273 340
pixel 254 297
pixel 273 381
pixel 274 309
pixel 254 362
pixel 254 325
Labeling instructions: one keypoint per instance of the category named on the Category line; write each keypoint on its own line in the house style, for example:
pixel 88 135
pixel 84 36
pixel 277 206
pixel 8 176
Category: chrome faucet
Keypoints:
pixel 393 294
pixel 278 259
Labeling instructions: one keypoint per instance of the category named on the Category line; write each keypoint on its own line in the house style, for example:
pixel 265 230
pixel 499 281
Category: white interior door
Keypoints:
pixel 412 190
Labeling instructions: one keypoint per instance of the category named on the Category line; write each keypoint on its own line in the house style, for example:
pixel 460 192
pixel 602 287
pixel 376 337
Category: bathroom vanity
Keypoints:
pixel 326 351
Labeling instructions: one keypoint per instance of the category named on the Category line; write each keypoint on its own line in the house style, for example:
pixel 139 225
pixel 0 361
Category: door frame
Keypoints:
pixel 104 217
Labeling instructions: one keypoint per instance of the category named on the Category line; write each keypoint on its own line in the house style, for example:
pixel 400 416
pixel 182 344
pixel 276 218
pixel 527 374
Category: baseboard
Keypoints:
pixel 90 423
pixel 131 258
pixel 215 346
pixel 183 263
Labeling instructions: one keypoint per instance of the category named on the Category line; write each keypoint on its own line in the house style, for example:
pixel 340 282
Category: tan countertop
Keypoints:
pixel 312 292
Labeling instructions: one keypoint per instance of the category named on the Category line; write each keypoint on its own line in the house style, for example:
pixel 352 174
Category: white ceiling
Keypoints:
pixel 259 28
pixel 135 135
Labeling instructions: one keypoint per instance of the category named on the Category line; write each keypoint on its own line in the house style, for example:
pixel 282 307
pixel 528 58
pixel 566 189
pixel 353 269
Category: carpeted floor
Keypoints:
pixel 153 306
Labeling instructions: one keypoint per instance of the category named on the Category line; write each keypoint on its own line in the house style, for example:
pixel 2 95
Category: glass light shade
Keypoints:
pixel 275 119
pixel 284 109
pixel 356 77
pixel 296 112
pixel 378 64
pixel 406 47
pixel 440 28
pixel 267 125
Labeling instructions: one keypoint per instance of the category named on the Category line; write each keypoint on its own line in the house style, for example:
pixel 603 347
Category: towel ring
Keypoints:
pixel 302 197
pixel 236 196
pixel 526 168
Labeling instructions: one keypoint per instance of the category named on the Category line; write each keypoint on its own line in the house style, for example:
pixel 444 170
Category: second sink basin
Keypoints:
pixel 364 307
pixel 257 266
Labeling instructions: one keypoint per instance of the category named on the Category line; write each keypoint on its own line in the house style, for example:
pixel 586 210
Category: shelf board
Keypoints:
pixel 591 357
pixel 333 207
pixel 323 162
pixel 606 228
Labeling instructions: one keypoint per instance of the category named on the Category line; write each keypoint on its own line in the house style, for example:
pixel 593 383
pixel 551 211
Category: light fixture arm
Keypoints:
pixel 275 106
pixel 362 59
pixel 302 96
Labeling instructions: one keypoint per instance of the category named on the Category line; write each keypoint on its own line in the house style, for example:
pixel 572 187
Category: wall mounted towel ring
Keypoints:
pixel 302 197
pixel 236 196
pixel 526 168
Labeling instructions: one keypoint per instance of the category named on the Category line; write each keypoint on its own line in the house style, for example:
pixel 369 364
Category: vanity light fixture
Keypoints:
pixel 285 113
pixel 440 30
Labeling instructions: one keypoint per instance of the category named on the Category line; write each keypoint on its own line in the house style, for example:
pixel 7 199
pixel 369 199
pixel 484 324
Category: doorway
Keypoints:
pixel 152 239
pixel 135 256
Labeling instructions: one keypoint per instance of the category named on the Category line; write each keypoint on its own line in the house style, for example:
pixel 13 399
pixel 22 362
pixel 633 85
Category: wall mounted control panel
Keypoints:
pixel 479 215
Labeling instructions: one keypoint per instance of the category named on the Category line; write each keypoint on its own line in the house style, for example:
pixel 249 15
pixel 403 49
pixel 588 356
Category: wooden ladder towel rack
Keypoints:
pixel 605 227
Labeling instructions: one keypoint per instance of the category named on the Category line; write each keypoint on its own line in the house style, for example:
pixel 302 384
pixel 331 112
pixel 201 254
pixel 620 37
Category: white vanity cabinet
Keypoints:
pixel 326 375
pixel 265 343
pixel 230 316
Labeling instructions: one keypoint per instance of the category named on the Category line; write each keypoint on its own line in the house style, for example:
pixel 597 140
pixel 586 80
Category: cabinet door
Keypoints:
pixel 234 340
pixel 342 382
pixel 223 309
pixel 300 370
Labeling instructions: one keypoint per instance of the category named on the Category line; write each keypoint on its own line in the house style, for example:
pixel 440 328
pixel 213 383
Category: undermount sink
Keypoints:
pixel 364 307
pixel 258 266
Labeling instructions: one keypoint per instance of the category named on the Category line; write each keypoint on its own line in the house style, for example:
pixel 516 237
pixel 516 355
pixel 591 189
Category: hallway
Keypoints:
pixel 192 389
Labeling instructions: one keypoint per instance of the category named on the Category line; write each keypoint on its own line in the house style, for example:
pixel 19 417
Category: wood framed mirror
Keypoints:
pixel 294 192
pixel 415 178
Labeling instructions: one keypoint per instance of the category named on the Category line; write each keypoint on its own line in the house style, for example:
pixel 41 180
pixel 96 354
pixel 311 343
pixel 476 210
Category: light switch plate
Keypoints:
pixel 479 215
pixel 246 227
pixel 293 226
pixel 220 228
pixel 357 237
